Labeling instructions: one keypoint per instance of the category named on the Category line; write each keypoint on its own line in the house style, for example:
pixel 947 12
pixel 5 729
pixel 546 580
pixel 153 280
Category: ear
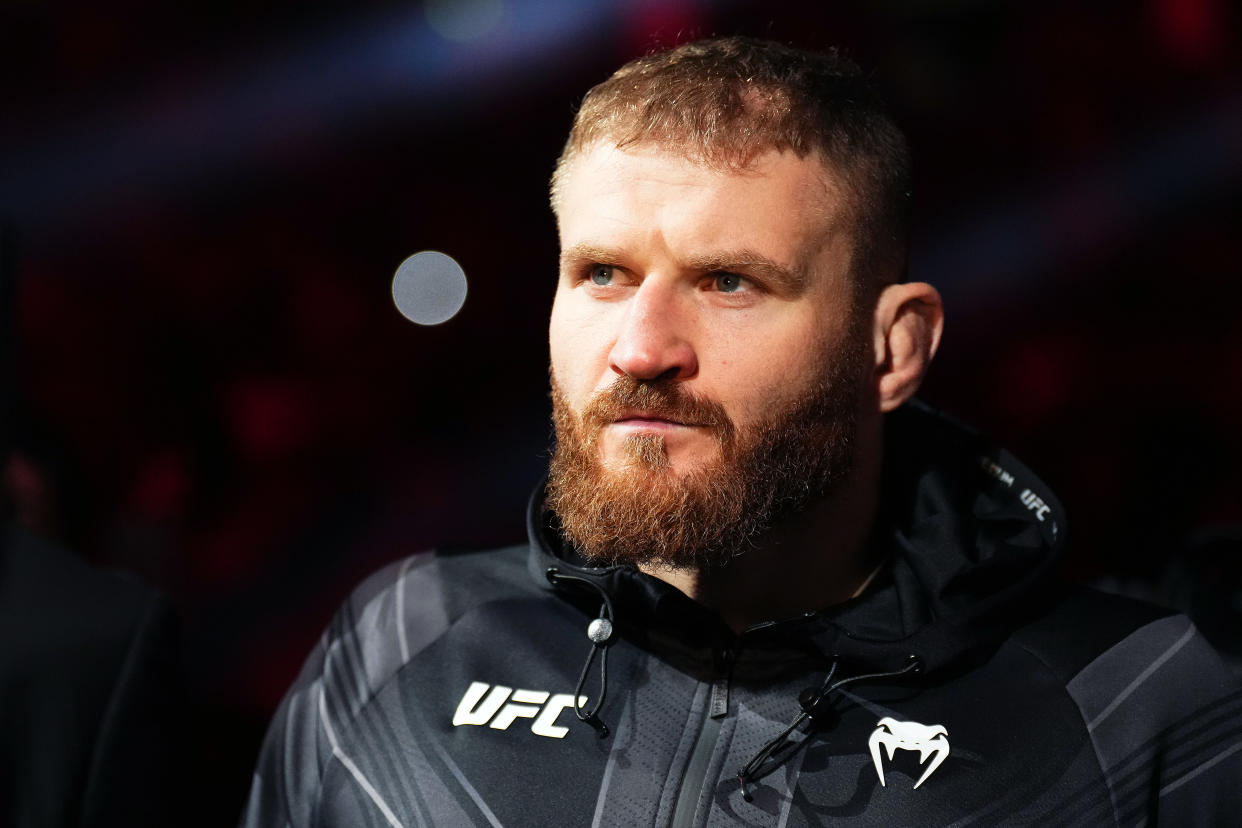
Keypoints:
pixel 909 318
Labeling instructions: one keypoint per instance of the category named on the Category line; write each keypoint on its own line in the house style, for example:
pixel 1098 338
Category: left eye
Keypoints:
pixel 728 282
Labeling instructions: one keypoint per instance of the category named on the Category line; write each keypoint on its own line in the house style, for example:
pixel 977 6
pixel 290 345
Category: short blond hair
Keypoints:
pixel 723 102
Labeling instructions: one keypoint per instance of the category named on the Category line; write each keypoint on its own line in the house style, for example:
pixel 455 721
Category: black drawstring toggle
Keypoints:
pixel 815 703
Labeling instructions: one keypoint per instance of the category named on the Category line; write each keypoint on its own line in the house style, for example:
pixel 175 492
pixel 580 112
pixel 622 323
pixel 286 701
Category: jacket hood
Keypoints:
pixel 970 536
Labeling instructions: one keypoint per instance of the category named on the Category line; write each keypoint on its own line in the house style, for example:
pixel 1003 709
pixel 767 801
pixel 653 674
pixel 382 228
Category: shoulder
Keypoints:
pixel 1079 625
pixel 387 620
pixel 61 600
pixel 451 579
pixel 1101 645
pixel 1161 709
pixel 66 624
pixel 404 607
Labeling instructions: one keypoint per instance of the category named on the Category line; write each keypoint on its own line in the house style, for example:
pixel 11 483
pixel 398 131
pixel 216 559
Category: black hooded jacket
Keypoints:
pixel 963 687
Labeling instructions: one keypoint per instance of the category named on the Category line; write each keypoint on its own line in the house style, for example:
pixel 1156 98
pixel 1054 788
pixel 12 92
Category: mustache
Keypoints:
pixel 664 399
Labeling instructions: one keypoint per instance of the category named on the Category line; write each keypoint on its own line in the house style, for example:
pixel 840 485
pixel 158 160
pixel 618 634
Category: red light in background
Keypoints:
pixel 661 23
pixel 1190 30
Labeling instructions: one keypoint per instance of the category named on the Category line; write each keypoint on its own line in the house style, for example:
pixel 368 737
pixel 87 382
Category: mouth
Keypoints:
pixel 647 420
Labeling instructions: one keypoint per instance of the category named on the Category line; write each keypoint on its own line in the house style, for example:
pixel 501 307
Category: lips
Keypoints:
pixel 639 417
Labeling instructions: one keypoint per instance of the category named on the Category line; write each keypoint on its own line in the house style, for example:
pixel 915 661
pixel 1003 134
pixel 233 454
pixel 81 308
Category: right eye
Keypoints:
pixel 601 275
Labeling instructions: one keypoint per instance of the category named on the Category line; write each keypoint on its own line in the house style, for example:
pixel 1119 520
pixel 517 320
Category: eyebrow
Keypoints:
pixel 750 262
pixel 743 261
pixel 589 253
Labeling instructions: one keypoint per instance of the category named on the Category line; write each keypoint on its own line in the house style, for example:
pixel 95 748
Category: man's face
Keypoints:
pixel 703 334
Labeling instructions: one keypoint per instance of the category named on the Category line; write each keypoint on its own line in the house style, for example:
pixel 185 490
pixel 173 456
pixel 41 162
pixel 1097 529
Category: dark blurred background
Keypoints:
pixel 204 205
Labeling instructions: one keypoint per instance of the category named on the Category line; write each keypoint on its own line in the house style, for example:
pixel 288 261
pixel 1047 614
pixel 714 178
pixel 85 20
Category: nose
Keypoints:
pixel 653 340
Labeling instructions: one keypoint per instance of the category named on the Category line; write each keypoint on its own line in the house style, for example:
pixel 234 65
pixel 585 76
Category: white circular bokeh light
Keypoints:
pixel 429 288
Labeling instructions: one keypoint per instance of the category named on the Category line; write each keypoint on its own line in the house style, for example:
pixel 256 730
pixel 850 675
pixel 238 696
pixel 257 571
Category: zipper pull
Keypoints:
pixel 718 707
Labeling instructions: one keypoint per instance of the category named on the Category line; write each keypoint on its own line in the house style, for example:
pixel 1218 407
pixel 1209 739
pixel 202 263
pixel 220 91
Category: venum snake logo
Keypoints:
pixel 928 740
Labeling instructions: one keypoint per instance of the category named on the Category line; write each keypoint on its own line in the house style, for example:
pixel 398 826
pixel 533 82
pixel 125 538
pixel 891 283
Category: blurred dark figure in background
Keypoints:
pixel 91 690
pixel 809 599
pixel 89 693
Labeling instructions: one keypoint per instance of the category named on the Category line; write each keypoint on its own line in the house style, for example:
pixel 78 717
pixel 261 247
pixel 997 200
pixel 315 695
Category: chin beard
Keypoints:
pixel 642 512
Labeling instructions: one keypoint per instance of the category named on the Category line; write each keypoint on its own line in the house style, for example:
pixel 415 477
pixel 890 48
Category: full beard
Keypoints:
pixel 640 511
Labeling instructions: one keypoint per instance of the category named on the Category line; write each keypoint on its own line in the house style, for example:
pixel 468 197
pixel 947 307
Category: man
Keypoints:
pixel 761 586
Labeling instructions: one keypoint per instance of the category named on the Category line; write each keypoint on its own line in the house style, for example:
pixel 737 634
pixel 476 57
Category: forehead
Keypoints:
pixel 787 206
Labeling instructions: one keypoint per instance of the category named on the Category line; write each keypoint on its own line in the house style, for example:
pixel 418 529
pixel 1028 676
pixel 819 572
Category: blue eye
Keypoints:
pixel 601 275
pixel 728 282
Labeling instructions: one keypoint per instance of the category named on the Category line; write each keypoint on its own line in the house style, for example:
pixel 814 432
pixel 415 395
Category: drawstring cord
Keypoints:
pixel 600 633
pixel 813 703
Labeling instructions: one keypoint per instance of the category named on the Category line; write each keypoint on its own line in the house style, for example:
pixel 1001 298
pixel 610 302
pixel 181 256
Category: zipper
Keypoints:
pixel 704 745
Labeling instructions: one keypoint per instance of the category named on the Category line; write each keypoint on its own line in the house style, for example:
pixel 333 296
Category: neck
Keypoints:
pixel 811 561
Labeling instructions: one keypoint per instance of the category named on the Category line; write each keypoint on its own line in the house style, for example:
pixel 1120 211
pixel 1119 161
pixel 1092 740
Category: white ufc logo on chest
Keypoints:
pixel 485 704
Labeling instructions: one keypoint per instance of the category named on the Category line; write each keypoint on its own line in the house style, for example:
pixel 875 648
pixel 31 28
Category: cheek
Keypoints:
pixel 574 344
pixel 561 332
pixel 758 373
